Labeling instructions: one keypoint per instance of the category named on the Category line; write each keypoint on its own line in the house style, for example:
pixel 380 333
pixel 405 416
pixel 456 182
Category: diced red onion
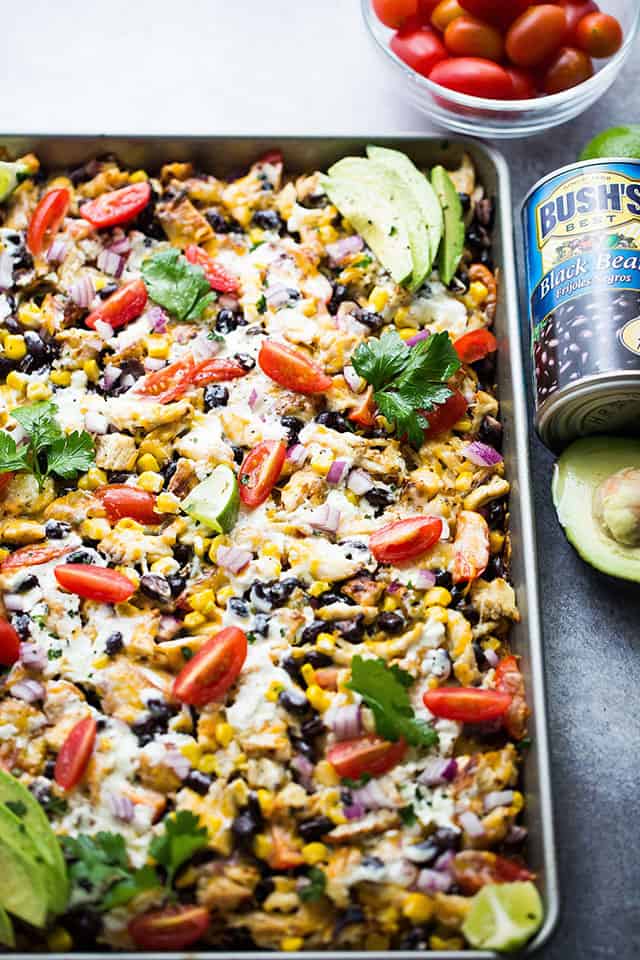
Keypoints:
pixel 498 798
pixel 424 579
pixel 304 768
pixel 445 861
pixel 482 454
pixel 297 454
pixel 471 822
pixel 233 559
pixel 433 881
pixel 14 602
pixel 153 363
pixel 111 263
pixel 353 380
pixel 6 270
pixel 168 627
pixel 82 291
pixel 516 834
pixel 178 763
pixel 95 422
pixel 28 690
pixel 121 807
pixel 120 245
pixel 337 471
pixel 394 586
pixel 491 657
pixel 104 329
pixel 359 482
pixel 374 797
pixel 326 518
pixel 344 248
pixel 57 251
pixel 346 724
pixel 110 375
pixel 354 811
pixel 33 655
pixel 438 771
pixel 158 319
pixel 254 397
pixel 417 337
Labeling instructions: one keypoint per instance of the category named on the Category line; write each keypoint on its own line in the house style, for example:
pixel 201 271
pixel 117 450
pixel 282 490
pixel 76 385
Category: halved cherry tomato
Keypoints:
pixel 5 480
pixel 568 68
pixel 535 35
pixel 574 11
pixel 466 704
pixel 291 369
pixel 470 546
pixel 117 206
pixel 467 36
pixel 74 753
pixel 284 855
pixel 372 755
pixel 599 35
pixel 444 13
pixel 168 384
pixel 47 219
pixel 260 471
pixel 216 370
pixel 405 539
pixel 524 84
pixel 32 555
pixel 419 47
pixel 509 679
pixel 213 669
pixel 475 76
pixel 120 500
pixel 475 345
pixel 172 928
pixel 365 413
pixel 9 644
pixel 393 13
pixel 123 306
pixel 94 583
pixel 474 869
pixel 445 415
pixel 499 12
pixel 219 277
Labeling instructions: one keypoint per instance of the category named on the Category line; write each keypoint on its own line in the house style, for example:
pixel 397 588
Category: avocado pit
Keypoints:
pixel 616 506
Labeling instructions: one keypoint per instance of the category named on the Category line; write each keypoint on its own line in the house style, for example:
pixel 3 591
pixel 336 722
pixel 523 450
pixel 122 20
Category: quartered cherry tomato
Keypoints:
pixel 470 546
pixel 260 471
pixel 216 370
pixel 365 413
pixel 219 277
pixel 32 555
pixel 121 500
pixel 284 855
pixel 474 76
pixel 94 583
pixel 123 306
pixel 168 384
pixel 419 47
pixel 445 415
pixel 467 36
pixel 9 644
pixel 172 928
pixel 475 345
pixel 524 84
pixel 499 12
pixel 117 206
pixel 292 369
pixel 509 679
pixel 213 669
pixel 568 68
pixel 393 13
pixel 405 539
pixel 5 480
pixel 75 753
pixel 444 13
pixel 466 704
pixel 574 11
pixel 474 869
pixel 47 219
pixel 535 35
pixel 599 35
pixel 372 755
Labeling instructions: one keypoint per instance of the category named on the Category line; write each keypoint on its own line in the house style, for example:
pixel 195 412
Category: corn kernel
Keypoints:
pixel 200 600
pixel 128 523
pixel 100 662
pixel 388 918
pixel 38 391
pixel 167 503
pixel 138 176
pixel 437 597
pixel 326 643
pixel 352 497
pixel 256 235
pixel 192 752
pixel 157 347
pixel 92 479
pixel 464 481
pixel 14 346
pixel 215 545
pixel 193 620
pixel 208 763
pixel 147 462
pixel 438 615
pixel 95 529
pixel 274 690
pixel 262 846
pixel 463 426
pixel 61 378
pixel 150 481
pixel 418 907
pixel 60 940
pixel 378 299
pixel 271 550
pixel 318 697
pixel 401 316
pixel 225 594
pixel 266 799
pixel 318 587
pixel 321 462
pixel 326 775
pixel 308 674
pixel 291 944
pixel 389 604
pixel 92 370
pixel 4 553
pixel 496 541
pixel 130 574
pixel 445 943
pixel 30 315
pixel 478 293
pixel 224 734
pixel 165 566
pixel 405 333
pixel 376 941
pixel 16 381
pixel 314 853
pixel 239 791
pixel 328 234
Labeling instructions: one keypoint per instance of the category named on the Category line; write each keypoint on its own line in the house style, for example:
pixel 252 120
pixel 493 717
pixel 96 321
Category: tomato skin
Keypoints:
pixel 372 755
pixel 216 371
pixel 524 85
pixel 219 277
pixel 568 68
pixel 260 471
pixel 365 413
pixel 535 35
pixel 498 12
pixel 117 206
pixel 172 928
pixel 9 644
pixel 474 76
pixel 32 555
pixel 420 48
pixel 123 306
pixel 47 219
pixel 291 369
pixel 466 704
pixel 467 36
pixel 94 583
pixel 445 415
pixel 213 669
pixel 74 754
pixel 393 13
pixel 509 679
pixel 574 11
pixel 474 869
pixel 405 539
pixel 599 35
pixel 170 383
pixel 121 500
pixel 475 345
pixel 444 13
pixel 5 480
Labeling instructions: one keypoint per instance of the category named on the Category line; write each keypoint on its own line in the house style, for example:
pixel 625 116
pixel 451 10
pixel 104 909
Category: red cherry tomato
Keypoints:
pixel 393 13
pixel 121 500
pixel 535 35
pixel 213 669
pixel 9 644
pixel 474 76
pixel 5 480
pixel 172 928
pixel 365 413
pixel 219 277
pixel 467 36
pixel 474 869
pixel 499 12
pixel 260 471
pixel 94 583
pixel 426 8
pixel 599 35
pixel 471 546
pixel 475 345
pixel 444 13
pixel 291 369
pixel 574 11
pixel 568 68
pixel 75 753
pixel 47 219
pixel 372 755
pixel 466 704
pixel 215 371
pixel 509 679
pixel 524 84
pixel 117 206
pixel 32 556
pixel 420 48
pixel 445 415
pixel 404 539
pixel 123 306
pixel 170 383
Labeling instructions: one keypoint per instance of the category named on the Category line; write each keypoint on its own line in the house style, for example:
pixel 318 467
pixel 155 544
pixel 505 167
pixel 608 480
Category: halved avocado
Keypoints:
pixel 22 890
pixel 14 835
pixel 453 240
pixel 7 938
pixel 602 522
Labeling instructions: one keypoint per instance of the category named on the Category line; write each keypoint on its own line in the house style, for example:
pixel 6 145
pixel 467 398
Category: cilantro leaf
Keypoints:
pixel 97 863
pixel 70 455
pixel 145 878
pixel 384 690
pixel 38 420
pixel 316 886
pixel 380 361
pixel 183 836
pixel 47 450
pixel 11 458
pixel 177 285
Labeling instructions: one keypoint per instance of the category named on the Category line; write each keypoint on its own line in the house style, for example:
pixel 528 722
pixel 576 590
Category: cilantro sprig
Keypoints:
pixel 384 690
pixel 47 449
pixel 177 285
pixel 407 381
pixel 315 887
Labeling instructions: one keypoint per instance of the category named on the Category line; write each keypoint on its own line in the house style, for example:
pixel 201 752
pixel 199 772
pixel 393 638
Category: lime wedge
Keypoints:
pixel 614 142
pixel 215 502
pixel 7 938
pixel 503 916
pixel 10 176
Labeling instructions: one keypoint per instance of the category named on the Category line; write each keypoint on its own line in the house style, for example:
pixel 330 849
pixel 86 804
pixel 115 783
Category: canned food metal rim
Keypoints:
pixel 589 406
pixel 578 165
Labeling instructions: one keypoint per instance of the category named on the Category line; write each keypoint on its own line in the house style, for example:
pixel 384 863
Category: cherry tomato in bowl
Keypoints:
pixel 420 48
pixel 365 755
pixel 215 667
pixel 444 13
pixel 117 206
pixel 474 76
pixel 535 35
pixel 574 11
pixel 599 35
pixel 47 219
pixel 498 12
pixel 568 68
pixel 260 471
pixel 393 13
pixel 405 539
pixel 467 36
pixel 524 83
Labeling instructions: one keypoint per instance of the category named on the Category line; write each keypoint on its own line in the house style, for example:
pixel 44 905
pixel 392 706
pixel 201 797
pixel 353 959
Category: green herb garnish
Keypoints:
pixel 261 303
pixel 316 886
pixel 407 815
pixel 48 450
pixel 177 285
pixel 183 836
pixel 384 690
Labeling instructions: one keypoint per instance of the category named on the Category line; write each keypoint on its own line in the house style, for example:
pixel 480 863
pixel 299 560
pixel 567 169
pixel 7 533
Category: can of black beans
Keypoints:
pixel 582 249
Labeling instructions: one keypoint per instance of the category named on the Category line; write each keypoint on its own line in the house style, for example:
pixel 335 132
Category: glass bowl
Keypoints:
pixel 503 118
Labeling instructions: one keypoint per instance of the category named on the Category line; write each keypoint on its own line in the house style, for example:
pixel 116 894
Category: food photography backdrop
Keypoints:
pixel 308 67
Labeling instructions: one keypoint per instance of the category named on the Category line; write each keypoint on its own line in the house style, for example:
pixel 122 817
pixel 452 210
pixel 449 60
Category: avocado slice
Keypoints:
pixel 577 496
pixel 374 205
pixel 15 798
pixel 424 198
pixel 14 835
pixel 453 239
pixel 22 890
pixel 7 937
pixel 11 174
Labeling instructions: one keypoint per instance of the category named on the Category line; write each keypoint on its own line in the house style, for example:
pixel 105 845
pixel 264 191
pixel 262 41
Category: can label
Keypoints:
pixel 582 241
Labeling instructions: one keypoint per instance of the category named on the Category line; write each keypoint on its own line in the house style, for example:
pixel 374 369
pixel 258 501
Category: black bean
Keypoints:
pixel 458 594
pixel 333 420
pixel 478 652
pixel 168 469
pixel 417 938
pixel 310 633
pixel 444 579
pixel 292 665
pixel 293 701
pixel 495 567
pixel 446 838
pixel 330 597
pixel 12 324
pixel 491 432
pixel 379 498
pixel 314 727
pixel 316 658
pixel 80 556
pixel 246 361
pixel 390 622
pixel 244 827
pixel 465 201
pixel 485 212
pixel 428 851
pixel 470 613
pixel 268 220
pixel 215 395
pixel 238 606
pixel 238 454
pixel 107 290
pixel 198 781
pixel 28 583
pixel 41 788
pixel 21 622
pixel 84 925
pixel 49 769
pixel 261 624
pixel 315 829
pixel 263 889
pixel 177 583
pixel 183 553
pixel 160 709
pixel 226 321
pixel 497 513
pixel 351 916
pixel 114 644
pixel 155 587
pixel 351 631
pixel 293 426
pixel 218 222
pixel 339 294
pixel 370 319
pixel 305 747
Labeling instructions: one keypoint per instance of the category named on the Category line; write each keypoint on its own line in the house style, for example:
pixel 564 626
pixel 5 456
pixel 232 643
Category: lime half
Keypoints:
pixel 503 916
pixel 614 142
pixel 215 502
pixel 10 176
pixel 7 938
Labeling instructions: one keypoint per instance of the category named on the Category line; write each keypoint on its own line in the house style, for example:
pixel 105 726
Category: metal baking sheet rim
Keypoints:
pixel 74 148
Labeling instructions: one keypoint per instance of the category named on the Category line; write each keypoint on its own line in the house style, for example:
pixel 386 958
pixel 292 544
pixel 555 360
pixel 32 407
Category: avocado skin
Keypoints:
pixel 453 240
pixel 7 938
pixel 577 474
